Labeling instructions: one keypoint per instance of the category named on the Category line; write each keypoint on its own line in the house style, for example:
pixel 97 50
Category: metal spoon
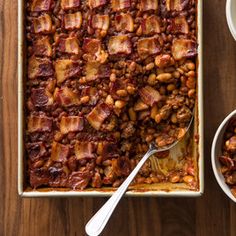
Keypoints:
pixel 97 223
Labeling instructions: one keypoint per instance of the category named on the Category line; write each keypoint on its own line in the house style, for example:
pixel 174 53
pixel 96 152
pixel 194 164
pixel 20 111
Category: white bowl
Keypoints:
pixel 231 16
pixel 216 151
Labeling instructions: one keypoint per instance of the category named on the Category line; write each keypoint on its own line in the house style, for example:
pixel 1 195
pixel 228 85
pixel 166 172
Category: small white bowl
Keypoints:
pixel 231 16
pixel 216 151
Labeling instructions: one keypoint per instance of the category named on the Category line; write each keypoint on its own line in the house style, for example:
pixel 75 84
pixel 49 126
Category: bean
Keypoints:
pixel 174 178
pixel 109 100
pixel 188 179
pixel 121 93
pixel 132 114
pixel 84 99
pixel 150 66
pixel 165 77
pixel 119 104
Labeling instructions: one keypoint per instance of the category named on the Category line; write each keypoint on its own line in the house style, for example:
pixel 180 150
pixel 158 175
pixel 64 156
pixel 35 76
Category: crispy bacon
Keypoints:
pixel 118 5
pixel 95 70
pixel 100 22
pixel 176 5
pixel 148 46
pixel 96 3
pixel 149 95
pixel 60 152
pixel 98 115
pixel 41 97
pixel 39 124
pixel 147 5
pixel 71 124
pixel 42 47
pixel 42 24
pixel 124 22
pixel 69 4
pixel 68 45
pixel 84 150
pixel 93 48
pixel 150 25
pixel 65 69
pixel 92 92
pixel 73 20
pixel 39 67
pixel 38 177
pixel 179 25
pixel 41 5
pixel 35 150
pixel 120 44
pixel 66 97
pixel 184 48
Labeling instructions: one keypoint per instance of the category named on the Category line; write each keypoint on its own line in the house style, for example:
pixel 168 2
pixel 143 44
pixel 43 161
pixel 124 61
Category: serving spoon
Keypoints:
pixel 97 223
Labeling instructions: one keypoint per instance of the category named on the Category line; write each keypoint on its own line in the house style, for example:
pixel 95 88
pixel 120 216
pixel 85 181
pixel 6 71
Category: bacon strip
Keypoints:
pixel 98 115
pixel 96 3
pixel 84 150
pixel 120 44
pixel 95 70
pixel 176 5
pixel 65 69
pixel 149 95
pixel 68 45
pixel 41 97
pixel 100 22
pixel 71 124
pixel 150 25
pixel 184 48
pixel 118 5
pixel 69 4
pixel 39 67
pixel 41 5
pixel 148 46
pixel 39 124
pixel 179 25
pixel 42 24
pixel 42 47
pixel 60 152
pixel 124 22
pixel 73 21
pixel 66 97
pixel 147 5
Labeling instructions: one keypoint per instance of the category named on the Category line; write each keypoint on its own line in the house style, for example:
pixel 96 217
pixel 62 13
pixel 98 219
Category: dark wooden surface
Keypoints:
pixel 211 215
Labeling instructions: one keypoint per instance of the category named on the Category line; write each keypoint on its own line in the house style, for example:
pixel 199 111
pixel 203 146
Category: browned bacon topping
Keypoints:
pixel 84 150
pixel 65 97
pixel 184 48
pixel 69 4
pixel 149 95
pixel 42 47
pixel 100 22
pixel 71 124
pixel 35 150
pixel 39 124
pixel 118 5
pixel 60 152
pixel 68 45
pixel 150 25
pixel 124 22
pixel 65 69
pixel 179 25
pixel 147 5
pixel 41 5
pixel 42 24
pixel 73 21
pixel 39 67
pixel 95 70
pixel 41 97
pixel 98 115
pixel 119 45
pixel 148 46
pixel 96 3
pixel 176 5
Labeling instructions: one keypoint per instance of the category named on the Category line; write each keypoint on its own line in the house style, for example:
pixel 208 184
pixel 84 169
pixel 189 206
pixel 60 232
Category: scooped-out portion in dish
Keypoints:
pixel 105 79
pixel 228 157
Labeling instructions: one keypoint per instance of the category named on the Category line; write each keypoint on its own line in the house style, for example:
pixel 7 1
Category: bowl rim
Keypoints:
pixel 217 174
pixel 231 26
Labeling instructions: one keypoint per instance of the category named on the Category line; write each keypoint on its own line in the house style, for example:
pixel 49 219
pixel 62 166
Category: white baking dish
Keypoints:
pixel 160 189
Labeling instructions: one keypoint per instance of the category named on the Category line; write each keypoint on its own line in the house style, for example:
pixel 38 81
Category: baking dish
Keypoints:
pixel 160 189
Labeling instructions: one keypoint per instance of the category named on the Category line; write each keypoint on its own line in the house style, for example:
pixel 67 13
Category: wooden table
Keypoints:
pixel 212 214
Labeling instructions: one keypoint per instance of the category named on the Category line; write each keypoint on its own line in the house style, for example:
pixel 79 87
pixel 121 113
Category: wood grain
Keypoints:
pixel 212 214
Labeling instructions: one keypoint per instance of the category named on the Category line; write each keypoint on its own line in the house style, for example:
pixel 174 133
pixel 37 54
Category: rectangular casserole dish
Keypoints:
pixel 159 189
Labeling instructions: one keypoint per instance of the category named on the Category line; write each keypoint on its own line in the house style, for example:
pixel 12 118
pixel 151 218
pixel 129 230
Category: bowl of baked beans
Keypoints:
pixel 223 155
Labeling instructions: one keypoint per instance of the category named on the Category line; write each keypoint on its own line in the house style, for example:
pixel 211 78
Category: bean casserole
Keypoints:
pixel 105 79
pixel 228 157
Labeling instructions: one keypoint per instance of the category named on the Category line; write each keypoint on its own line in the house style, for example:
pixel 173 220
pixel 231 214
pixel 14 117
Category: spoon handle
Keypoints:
pixel 97 223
